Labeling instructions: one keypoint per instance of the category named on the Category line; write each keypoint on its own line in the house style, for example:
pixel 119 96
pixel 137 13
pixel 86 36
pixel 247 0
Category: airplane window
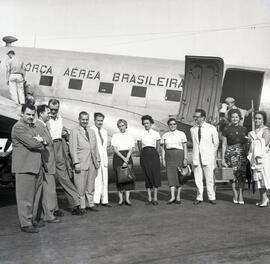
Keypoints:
pixel 46 80
pixel 105 87
pixel 172 95
pixel 75 84
pixel 138 91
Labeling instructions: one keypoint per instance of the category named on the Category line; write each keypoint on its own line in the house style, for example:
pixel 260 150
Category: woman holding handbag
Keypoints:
pixel 175 150
pixel 123 144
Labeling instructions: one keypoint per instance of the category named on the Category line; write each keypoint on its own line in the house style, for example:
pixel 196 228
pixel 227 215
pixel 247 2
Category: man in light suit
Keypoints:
pixel 49 198
pixel 27 166
pixel 86 160
pixel 205 144
pixel 101 182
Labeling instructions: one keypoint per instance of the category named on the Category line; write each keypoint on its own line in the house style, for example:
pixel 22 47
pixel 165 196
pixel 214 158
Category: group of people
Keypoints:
pixel 45 152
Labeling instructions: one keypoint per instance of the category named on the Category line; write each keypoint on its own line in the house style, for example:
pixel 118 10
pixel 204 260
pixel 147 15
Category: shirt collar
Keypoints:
pixel 41 121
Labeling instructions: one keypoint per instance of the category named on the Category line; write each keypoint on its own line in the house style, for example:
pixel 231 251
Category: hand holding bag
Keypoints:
pixel 125 174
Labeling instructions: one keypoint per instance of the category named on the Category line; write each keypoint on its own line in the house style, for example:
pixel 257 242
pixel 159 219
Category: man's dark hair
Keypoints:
pixel 41 109
pixel 11 52
pixel 199 110
pixel 29 106
pixel 82 113
pixel 97 114
pixel 54 102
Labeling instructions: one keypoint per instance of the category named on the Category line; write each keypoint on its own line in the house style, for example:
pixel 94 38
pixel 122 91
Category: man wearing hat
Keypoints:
pixel 230 102
pixel 15 78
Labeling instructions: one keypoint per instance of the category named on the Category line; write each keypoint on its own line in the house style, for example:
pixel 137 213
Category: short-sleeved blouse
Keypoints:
pixel 174 139
pixel 149 138
pixel 235 134
pixel 123 141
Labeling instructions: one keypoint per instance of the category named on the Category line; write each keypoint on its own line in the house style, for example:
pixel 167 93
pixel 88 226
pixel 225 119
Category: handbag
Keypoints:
pixel 125 174
pixel 184 174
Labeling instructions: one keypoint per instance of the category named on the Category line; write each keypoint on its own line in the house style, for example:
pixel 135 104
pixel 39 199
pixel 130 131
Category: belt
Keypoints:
pixel 57 139
pixel 148 147
pixel 173 149
pixel 16 73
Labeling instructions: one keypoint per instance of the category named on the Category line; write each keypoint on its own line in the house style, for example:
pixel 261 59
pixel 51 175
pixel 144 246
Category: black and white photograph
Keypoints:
pixel 134 131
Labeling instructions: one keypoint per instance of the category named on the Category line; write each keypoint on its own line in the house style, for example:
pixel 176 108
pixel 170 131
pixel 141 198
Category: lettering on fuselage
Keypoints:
pixel 38 68
pixel 147 80
pixel 82 73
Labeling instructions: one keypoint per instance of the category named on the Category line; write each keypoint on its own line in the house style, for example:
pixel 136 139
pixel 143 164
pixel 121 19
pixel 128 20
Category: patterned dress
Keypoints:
pixel 235 155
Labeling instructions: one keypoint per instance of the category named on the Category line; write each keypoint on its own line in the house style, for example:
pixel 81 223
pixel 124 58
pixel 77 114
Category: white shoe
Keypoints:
pixel 241 202
pixel 235 201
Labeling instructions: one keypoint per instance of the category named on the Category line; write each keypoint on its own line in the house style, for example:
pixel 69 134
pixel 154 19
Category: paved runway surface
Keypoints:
pixel 222 233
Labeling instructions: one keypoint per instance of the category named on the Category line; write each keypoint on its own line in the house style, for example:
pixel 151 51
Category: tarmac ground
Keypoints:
pixel 221 233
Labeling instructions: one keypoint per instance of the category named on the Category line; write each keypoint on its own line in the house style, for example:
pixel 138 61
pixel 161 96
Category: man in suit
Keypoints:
pixel 205 144
pixel 101 182
pixel 86 160
pixel 55 126
pixel 49 198
pixel 27 166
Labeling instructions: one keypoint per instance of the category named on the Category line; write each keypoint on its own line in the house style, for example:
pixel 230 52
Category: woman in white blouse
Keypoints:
pixel 149 146
pixel 123 144
pixel 175 147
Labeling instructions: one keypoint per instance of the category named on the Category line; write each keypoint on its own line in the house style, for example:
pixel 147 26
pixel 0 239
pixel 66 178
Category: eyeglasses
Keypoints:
pixel 54 109
pixel 172 124
pixel 197 116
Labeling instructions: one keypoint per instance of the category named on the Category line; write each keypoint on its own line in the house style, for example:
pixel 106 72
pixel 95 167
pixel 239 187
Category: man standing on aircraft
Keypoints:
pixel 101 182
pixel 15 78
pixel 205 144
pixel 49 198
pixel 55 125
pixel 27 166
pixel 86 160
pixel 230 102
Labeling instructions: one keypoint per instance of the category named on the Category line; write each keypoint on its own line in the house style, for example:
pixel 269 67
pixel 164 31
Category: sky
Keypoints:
pixel 236 30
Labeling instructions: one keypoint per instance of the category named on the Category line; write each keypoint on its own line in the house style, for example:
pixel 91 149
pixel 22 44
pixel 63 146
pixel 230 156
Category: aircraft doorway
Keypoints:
pixel 243 86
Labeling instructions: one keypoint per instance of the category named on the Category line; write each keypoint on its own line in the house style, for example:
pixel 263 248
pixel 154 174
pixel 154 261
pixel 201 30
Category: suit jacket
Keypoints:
pixel 48 152
pixel 207 147
pixel 102 148
pixel 82 150
pixel 26 154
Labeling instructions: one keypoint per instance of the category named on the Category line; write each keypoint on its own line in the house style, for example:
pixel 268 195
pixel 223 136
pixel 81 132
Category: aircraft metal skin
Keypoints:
pixel 118 86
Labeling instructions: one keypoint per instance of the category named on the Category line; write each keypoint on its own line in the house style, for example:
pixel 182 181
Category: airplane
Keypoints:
pixel 129 87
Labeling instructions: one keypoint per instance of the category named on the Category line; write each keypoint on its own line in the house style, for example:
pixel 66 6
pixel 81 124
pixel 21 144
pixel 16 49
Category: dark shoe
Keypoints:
pixel 29 229
pixel 128 204
pixel 212 202
pixel 54 221
pixel 39 224
pixel 178 202
pixel 106 205
pixel 76 211
pixel 197 202
pixel 155 202
pixel 58 213
pixel 92 209
pixel 83 211
pixel 148 203
pixel 171 202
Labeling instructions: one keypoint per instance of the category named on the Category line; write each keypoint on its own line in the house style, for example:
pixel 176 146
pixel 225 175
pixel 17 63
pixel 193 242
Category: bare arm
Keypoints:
pixel 266 136
pixel 185 161
pixel 119 154
pixel 224 147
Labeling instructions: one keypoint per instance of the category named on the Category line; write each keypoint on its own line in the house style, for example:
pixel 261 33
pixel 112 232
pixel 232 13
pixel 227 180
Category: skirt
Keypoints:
pixel 174 158
pixel 150 165
pixel 235 157
pixel 118 162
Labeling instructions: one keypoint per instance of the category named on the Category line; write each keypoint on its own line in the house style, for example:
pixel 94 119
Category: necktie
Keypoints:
pixel 101 138
pixel 199 133
pixel 86 133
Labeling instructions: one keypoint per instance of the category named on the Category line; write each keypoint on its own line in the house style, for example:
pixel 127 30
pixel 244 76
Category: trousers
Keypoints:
pixel 16 88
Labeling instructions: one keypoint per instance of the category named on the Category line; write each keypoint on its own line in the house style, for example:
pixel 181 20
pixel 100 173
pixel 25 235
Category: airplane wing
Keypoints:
pixel 9 114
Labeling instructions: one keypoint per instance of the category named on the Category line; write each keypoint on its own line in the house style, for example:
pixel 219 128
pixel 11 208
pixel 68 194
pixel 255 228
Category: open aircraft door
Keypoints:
pixel 202 87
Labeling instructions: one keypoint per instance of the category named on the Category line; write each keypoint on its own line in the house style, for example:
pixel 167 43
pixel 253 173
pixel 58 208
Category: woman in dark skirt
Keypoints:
pixel 175 147
pixel 123 144
pixel 234 153
pixel 149 146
